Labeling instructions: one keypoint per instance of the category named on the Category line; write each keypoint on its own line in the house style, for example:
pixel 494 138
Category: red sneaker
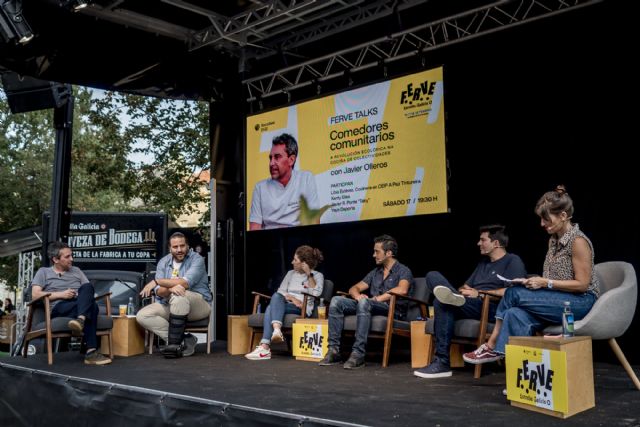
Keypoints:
pixel 483 354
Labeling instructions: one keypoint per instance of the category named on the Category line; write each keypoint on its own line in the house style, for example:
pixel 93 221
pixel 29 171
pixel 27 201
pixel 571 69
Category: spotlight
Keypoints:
pixel 74 5
pixel 80 4
pixel 12 23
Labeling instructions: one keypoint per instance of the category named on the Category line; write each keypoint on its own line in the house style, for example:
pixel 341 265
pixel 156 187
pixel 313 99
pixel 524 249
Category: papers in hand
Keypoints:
pixel 511 281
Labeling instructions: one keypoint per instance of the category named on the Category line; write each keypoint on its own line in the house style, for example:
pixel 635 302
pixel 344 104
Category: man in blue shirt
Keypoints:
pixel 182 293
pixel 389 275
pixel 452 304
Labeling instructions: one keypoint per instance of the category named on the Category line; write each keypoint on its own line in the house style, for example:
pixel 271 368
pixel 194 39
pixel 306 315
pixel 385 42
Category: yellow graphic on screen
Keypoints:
pixel 310 216
pixel 374 152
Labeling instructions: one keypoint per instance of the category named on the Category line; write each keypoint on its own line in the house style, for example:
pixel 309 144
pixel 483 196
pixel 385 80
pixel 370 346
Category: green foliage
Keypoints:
pixel 108 128
pixel 102 176
pixel 175 135
pixel 26 156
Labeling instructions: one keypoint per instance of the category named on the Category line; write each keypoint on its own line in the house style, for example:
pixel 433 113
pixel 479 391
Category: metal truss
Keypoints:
pixel 264 29
pixel 26 267
pixel 252 27
pixel 26 270
pixel 415 41
pixel 114 12
pixel 366 13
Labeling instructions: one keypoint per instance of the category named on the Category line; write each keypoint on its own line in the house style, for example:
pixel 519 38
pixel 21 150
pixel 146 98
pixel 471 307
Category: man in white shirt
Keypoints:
pixel 276 200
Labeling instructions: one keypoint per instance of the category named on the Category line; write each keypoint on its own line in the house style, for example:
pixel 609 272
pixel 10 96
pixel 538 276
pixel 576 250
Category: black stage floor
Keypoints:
pixel 280 386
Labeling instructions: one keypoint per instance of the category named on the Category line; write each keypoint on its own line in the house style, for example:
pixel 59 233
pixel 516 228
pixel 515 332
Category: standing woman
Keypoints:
pixel 288 298
pixel 568 275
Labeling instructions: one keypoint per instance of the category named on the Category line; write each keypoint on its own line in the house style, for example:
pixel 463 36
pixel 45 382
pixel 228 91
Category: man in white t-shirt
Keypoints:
pixel 276 200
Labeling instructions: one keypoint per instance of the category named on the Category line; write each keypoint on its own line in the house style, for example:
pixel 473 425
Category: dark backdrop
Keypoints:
pixel 538 105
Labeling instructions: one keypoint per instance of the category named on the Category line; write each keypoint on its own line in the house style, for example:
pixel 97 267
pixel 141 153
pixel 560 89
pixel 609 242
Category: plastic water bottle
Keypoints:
pixel 130 307
pixel 567 320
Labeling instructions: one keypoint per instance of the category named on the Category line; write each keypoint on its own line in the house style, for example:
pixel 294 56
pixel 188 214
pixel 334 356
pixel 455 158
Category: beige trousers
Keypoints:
pixel 155 317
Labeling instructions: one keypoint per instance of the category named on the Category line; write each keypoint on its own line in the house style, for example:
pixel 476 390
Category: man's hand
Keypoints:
pixel 360 296
pixel 148 288
pixel 178 290
pixel 67 294
pixel 468 291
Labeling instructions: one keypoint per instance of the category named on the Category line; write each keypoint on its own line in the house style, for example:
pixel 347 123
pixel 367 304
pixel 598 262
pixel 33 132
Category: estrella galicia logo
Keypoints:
pixel 420 93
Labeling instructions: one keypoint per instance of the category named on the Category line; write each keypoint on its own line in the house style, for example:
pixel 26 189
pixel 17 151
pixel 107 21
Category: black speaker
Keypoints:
pixel 29 94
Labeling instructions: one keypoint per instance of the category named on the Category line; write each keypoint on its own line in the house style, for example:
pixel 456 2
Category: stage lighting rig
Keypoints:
pixel 13 26
pixel 74 5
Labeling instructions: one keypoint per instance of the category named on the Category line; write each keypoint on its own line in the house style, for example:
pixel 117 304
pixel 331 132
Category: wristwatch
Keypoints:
pixel 550 284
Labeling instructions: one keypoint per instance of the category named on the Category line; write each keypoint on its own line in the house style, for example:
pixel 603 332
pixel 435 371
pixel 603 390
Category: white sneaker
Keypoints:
pixel 260 353
pixel 446 296
pixel 277 336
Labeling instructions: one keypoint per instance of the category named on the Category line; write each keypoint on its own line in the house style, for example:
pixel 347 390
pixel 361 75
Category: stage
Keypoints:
pixel 219 389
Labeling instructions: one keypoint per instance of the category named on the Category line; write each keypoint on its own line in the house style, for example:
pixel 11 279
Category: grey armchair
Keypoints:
pixel 613 311
pixel 468 332
pixel 256 319
pixel 41 324
pixel 385 327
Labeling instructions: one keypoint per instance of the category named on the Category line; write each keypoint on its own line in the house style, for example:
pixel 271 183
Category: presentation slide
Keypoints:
pixel 368 153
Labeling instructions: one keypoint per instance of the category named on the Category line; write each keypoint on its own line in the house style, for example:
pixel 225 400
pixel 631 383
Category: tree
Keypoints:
pixel 107 129
pixel 176 135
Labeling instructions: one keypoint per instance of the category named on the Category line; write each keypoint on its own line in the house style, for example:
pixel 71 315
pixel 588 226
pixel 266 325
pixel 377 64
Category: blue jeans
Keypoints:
pixel 445 315
pixel 275 312
pixel 85 305
pixel 524 311
pixel 364 309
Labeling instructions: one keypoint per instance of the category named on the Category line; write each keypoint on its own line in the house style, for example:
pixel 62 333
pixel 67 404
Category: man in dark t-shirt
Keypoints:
pixel 389 275
pixel 452 304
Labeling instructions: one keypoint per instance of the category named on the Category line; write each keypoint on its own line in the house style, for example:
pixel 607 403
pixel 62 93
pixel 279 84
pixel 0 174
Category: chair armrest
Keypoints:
pixel 107 302
pixel 483 294
pixel 315 297
pixel 484 315
pixel 408 298
pixel 40 299
pixel 344 294
pixel 256 300
pixel 423 304
pixel 261 295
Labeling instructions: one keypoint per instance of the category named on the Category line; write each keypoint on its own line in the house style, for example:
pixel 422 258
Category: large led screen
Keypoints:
pixel 368 153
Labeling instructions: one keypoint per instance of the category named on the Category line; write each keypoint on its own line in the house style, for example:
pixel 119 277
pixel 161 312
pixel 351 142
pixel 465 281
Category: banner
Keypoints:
pixel 310 339
pixel 537 377
pixel 115 240
pixel 369 153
